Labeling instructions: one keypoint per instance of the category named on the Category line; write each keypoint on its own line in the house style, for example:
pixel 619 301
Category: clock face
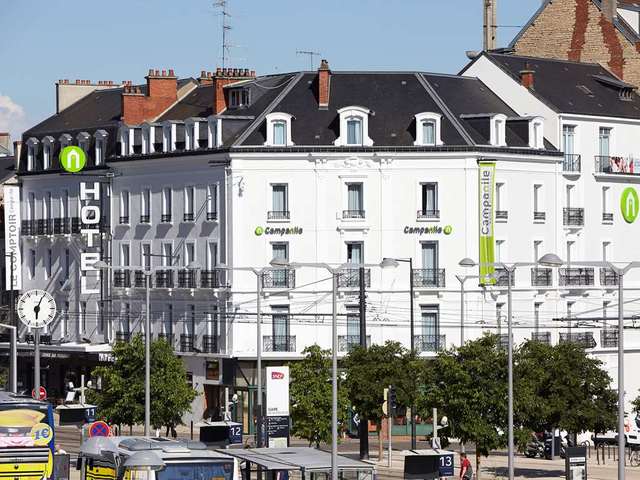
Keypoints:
pixel 36 308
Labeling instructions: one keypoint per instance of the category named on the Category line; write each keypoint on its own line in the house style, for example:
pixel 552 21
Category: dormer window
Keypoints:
pixel 498 135
pixel 354 127
pixel 168 137
pixel 47 151
pixel 192 129
pixel 278 129
pixel 32 151
pixel 100 146
pixel 536 133
pixel 239 97
pixel 65 140
pixel 428 129
pixel 214 132
pixel 148 138
pixel 83 141
pixel 126 140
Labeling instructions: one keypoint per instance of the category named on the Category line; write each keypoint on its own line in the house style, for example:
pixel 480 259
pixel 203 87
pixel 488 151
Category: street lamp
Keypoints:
pixel 552 260
pixel 465 262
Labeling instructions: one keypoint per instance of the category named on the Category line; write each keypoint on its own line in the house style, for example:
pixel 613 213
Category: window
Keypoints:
pixel 48 263
pixel 500 250
pixel 605 313
pixel 604 141
pixel 189 254
pixel 168 137
pixel 429 132
pixel 189 199
pixel 124 207
pixel 536 317
pixel 148 134
pixel 212 132
pixel 46 206
pixel 355 204
pixel 280 251
pixel 429 201
pixel 500 198
pixel 167 204
pixel 538 203
pixel 212 321
pixel 570 246
pixel 569 322
pixel 32 263
pixel 126 145
pixel 606 248
pixel 64 204
pixel 64 323
pixel 568 139
pixel 354 131
pixel 31 206
pixel 430 256
pixel 192 128
pixel 212 202
pixel 428 129
pixel 537 250
pixel 354 124
pixel 536 133
pixel 497 131
pixel 167 326
pixel 280 321
pixel 167 254
pixel 355 253
pixel 145 206
pixel 83 317
pixel 280 202
pixel 67 263
pixel 212 255
pixel 607 216
pixel 125 255
pixel 353 325
pixel 145 253
pixel 431 340
pixel 499 307
pixel 278 129
pixel 83 141
pixel 125 325
pixel 239 97
pixel 279 133
pixel 47 150
pixel 100 146
pixel 32 152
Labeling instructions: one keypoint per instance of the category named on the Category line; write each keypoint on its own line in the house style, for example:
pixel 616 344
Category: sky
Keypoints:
pixel 42 41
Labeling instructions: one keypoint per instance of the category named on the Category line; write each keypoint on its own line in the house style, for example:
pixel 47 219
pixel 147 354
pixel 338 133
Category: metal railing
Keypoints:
pixel 187 278
pixel 608 277
pixel 28 228
pixel 609 337
pixel 278 215
pixel 607 217
pixel 139 279
pixel 613 164
pixel 44 227
pixel 576 276
pixel 571 163
pixel 212 216
pixel 541 277
pixel 145 218
pixel 210 343
pixel 347 342
pixel 122 278
pixel 212 278
pixel 279 343
pixel 186 342
pixel 429 343
pixel 350 277
pixel 61 226
pixel 425 214
pixel 503 340
pixel 123 336
pixel 542 337
pixel 429 277
pixel 539 215
pixel 501 277
pixel 281 278
pixel 165 218
pixel 57 226
pixel 502 215
pixel 124 220
pixel 188 217
pixel 583 339
pixel 164 279
pixel 573 216
pixel 346 214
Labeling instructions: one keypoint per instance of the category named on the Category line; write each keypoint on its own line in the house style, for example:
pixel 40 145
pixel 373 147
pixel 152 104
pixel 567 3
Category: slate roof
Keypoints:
pixel 573 87
pixel 6 168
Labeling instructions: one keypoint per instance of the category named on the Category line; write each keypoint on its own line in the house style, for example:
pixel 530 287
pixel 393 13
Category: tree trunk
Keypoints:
pixel 477 463
pixel 380 440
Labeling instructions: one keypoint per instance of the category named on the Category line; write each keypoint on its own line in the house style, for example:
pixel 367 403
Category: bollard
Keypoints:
pixel 598 454
pixel 191 429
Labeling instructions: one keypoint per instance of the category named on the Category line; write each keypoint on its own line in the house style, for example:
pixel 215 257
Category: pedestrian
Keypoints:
pixel 466 470
pixel 60 450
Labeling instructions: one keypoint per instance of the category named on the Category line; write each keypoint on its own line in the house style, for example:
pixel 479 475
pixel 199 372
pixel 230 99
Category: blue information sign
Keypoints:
pixel 446 465
pixel 235 434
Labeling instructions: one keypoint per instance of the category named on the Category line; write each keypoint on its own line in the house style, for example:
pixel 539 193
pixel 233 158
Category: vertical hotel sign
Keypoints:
pixel 12 235
pixel 486 206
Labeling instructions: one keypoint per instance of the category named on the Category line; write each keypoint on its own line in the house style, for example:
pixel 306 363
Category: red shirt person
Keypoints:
pixel 466 470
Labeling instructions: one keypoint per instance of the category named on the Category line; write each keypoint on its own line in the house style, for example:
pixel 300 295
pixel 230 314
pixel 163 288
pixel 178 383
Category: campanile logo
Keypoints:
pixel 629 204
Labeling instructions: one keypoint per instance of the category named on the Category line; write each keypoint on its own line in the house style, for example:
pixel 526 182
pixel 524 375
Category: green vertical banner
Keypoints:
pixel 486 207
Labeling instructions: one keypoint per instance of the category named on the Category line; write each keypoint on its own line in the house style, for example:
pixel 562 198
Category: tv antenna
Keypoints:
pixel 226 47
pixel 310 54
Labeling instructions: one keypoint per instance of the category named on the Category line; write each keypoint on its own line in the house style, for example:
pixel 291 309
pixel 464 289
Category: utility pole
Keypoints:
pixel 363 426
pixel 226 48
pixel 490 17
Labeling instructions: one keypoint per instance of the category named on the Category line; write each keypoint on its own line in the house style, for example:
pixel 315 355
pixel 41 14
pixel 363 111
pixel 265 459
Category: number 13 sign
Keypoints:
pixel 446 465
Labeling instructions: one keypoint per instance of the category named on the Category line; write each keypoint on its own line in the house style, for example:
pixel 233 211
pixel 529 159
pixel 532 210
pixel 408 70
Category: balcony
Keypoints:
pixel 429 277
pixel 278 215
pixel 571 163
pixel 614 165
pixel 186 343
pixel 279 343
pixel 608 278
pixel 350 277
pixel 573 217
pixel 541 277
pixel 76 225
pixel 187 278
pixel 123 336
pixel 502 215
pixel 139 279
pixel 429 343
pixel 188 217
pixel 61 226
pixel 503 340
pixel 145 218
pixel 122 278
pixel 607 217
pixel 281 278
pixel 582 339
pixel 212 216
pixel 428 214
pixel 165 218
pixel 44 227
pixel 576 276
pixel 609 338
pixel 124 220
pixel 347 342
pixel 352 214
pixel 212 278
pixel 501 277
pixel 539 216
pixel 167 337
pixel 210 344
pixel 542 337
pixel 164 279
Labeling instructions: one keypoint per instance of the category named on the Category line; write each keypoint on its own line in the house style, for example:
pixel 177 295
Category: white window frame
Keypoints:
pixel 145 203
pixel 125 247
pixel 83 139
pixel 125 209
pixel 347 113
pixel 169 136
pixel 32 263
pixel 212 200
pixel 191 133
pixel 538 197
pixel 148 138
pixel 167 202
pixel 276 117
pixel 144 258
pixel 186 260
pixel 212 260
pixel 536 133
pixel 48 144
pixel 100 146
pixel 214 132
pixel 32 152
pixel 498 129
pixel 126 140
pixel 186 209
pixel 423 117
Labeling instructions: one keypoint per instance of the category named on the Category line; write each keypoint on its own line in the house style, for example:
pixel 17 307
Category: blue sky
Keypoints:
pixel 45 40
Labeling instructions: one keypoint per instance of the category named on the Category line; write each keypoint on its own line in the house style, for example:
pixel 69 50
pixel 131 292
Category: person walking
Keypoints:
pixel 466 470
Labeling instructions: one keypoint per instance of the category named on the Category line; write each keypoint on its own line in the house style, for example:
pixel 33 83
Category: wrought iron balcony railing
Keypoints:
pixel 124 220
pixel 573 216
pixel 607 217
pixel 212 216
pixel 123 336
pixel 76 225
pixel 502 214
pixel 140 279
pixel 186 343
pixel 210 343
pixel 576 276
pixel 571 163
pixel 188 217
pixel 187 278
pixel 429 343
pixel 428 214
pixel 44 226
pixel 583 339
pixel 429 277
pixel 541 277
pixel 349 214
pixel 612 164
pixel 350 277
pixel 212 278
pixel 61 226
pixel 539 216
pixel 501 277
pixel 164 279
pixel 122 278
pixel 609 337
pixel 281 278
pixel 145 218
pixel 542 337
pixel 347 342
pixel 279 343
pixel 608 277
pixel 278 215
pixel 28 228
pixel 165 218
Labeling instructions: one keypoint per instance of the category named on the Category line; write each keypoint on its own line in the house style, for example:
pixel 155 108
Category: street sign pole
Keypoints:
pixel 389 423
pixel 36 362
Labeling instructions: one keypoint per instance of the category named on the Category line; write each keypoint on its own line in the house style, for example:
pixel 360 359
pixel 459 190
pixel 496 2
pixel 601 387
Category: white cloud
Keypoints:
pixel 13 118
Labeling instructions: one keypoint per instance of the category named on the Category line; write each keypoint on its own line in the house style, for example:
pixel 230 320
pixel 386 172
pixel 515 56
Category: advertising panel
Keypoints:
pixel 486 212
pixel 12 236
pixel 277 391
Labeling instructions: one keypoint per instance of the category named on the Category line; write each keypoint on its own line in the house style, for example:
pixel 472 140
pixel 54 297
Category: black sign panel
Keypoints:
pixel 278 428
pixel 576 463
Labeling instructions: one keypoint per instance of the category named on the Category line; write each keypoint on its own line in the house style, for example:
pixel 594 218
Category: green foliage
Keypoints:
pixel 636 405
pixel 121 400
pixel 310 392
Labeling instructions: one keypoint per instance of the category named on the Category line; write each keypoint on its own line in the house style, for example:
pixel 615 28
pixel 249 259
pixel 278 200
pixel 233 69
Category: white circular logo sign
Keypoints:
pixel 36 308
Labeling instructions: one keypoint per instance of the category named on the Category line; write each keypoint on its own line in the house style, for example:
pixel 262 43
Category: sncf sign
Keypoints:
pixel 277 375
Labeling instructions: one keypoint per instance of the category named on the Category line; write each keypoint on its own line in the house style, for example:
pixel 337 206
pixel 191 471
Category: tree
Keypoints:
pixel 121 398
pixel 311 395
pixel 469 385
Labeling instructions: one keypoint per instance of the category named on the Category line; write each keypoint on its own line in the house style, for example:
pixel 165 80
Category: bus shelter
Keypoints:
pixel 298 463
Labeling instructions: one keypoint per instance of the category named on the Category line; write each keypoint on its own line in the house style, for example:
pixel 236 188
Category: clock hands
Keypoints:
pixel 36 309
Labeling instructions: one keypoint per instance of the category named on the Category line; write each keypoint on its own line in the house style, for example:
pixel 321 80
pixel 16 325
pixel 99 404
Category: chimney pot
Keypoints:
pixel 164 73
pixel 324 83
pixel 171 73
pixel 527 77
pixel 253 73
pixel 203 74
pixel 218 71
pixel 209 75
pixel 156 73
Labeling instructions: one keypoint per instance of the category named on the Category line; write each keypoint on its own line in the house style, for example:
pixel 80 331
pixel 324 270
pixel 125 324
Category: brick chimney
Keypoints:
pixel 324 84
pixel 227 76
pixel 68 93
pixel 527 77
pixel 162 92
pixel 610 9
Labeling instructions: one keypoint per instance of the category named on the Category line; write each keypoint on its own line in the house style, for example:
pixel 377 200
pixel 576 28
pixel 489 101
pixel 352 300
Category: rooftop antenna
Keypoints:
pixel 226 47
pixel 310 54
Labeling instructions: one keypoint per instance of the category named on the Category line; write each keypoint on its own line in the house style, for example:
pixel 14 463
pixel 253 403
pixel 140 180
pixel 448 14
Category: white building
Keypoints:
pixel 327 167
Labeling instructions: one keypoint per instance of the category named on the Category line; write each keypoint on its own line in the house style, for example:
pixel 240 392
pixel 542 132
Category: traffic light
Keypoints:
pixel 393 400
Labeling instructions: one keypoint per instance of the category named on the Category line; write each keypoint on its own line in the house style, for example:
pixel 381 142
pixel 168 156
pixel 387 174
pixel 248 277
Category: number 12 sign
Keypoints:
pixel 446 465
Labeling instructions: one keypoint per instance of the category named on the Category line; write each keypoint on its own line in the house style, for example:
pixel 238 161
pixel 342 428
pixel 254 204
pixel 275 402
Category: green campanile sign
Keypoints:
pixel 72 159
pixel 629 204
pixel 486 210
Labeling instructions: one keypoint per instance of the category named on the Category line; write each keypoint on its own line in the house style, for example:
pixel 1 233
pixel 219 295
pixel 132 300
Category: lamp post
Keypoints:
pixel 465 262
pixel 552 260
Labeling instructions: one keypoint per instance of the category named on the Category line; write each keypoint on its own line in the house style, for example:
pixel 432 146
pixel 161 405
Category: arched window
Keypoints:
pixel 354 127
pixel 278 129
pixel 428 129
pixel 498 130
pixel 48 144
pixel 536 132
pixel 100 146
pixel 32 152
